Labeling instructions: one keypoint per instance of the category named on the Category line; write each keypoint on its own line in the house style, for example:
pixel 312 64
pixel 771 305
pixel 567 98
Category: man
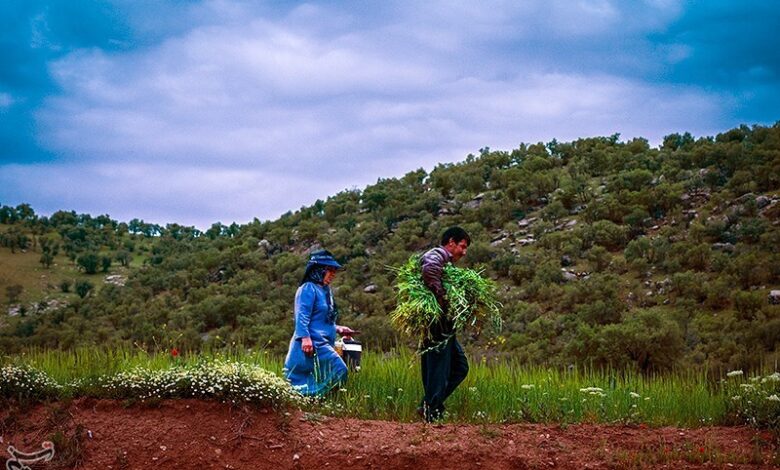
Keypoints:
pixel 444 364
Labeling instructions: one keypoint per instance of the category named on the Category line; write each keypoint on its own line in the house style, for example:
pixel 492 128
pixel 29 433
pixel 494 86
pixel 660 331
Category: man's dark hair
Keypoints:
pixel 457 234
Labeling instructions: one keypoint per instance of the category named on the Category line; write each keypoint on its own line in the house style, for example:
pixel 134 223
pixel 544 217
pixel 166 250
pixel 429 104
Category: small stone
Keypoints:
pixel 370 289
pixel 569 276
pixel 296 457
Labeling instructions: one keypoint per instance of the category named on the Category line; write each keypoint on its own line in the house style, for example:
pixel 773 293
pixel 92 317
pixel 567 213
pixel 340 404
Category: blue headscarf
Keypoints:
pixel 318 265
pixel 314 273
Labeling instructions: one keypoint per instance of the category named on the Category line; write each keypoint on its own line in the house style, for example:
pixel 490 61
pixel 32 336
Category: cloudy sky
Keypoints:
pixel 202 111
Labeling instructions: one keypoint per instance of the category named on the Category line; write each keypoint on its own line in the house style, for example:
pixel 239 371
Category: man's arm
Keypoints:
pixel 432 270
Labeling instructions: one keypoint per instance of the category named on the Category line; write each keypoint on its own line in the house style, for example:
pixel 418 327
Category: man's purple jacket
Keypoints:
pixel 432 264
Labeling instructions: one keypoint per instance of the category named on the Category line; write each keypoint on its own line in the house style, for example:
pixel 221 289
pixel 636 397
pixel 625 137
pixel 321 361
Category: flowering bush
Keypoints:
pixel 216 379
pixel 755 401
pixel 26 383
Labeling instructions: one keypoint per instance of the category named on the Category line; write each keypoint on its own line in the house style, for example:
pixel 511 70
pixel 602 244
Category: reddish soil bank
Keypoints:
pixel 191 434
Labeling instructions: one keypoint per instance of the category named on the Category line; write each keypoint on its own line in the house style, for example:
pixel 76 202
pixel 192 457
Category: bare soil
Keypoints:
pixel 192 434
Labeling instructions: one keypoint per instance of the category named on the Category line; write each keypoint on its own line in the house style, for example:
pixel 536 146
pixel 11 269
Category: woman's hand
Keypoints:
pixel 346 331
pixel 307 346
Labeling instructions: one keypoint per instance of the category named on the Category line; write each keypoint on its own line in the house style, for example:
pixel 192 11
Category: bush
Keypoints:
pixel 83 288
pixel 25 383
pixel 216 379
pixel 105 263
pixel 89 262
pixel 748 304
pixel 647 339
pixel 605 233
pixel 600 257
pixel 755 401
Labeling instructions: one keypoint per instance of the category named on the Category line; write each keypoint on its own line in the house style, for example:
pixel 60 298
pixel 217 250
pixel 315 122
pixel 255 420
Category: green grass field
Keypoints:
pixel 389 387
pixel 39 283
pixel 25 269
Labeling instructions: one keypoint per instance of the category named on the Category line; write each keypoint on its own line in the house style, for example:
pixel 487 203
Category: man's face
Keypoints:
pixel 457 250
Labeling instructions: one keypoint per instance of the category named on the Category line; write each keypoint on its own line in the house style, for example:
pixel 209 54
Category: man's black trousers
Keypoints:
pixel 443 369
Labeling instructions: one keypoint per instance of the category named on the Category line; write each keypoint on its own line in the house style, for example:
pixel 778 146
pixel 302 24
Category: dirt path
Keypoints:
pixel 191 434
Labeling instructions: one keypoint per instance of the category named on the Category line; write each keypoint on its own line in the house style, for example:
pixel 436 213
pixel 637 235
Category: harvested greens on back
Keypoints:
pixel 472 300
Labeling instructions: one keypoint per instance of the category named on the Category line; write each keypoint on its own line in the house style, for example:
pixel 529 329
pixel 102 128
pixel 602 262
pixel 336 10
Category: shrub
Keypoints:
pixel 83 288
pixel 755 401
pixel 647 338
pixel 748 304
pixel 25 383
pixel 216 379
pixel 89 262
pixel 605 233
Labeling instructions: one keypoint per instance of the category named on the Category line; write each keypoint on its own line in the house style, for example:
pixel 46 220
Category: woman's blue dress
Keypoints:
pixel 317 374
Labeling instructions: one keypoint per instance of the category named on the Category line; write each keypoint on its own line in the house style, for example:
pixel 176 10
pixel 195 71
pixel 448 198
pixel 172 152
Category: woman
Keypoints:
pixel 312 365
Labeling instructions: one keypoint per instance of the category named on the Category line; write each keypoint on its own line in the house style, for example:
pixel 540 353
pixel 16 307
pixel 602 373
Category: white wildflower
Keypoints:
pixel 773 377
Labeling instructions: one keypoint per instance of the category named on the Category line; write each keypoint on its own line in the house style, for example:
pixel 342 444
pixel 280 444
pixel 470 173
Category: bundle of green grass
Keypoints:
pixel 472 300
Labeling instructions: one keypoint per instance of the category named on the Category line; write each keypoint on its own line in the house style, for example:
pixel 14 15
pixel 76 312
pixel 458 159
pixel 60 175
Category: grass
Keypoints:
pixel 24 268
pixel 389 387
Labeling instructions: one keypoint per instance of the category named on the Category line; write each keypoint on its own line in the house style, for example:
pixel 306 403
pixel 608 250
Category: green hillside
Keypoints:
pixel 607 252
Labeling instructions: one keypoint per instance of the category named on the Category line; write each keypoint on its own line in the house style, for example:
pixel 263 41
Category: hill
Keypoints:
pixel 607 252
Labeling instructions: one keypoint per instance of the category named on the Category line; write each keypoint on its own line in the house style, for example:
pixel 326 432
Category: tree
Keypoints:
pixel 105 263
pixel 647 339
pixel 49 250
pixel 554 212
pixel 600 258
pixel 25 213
pixel 89 262
pixel 83 288
pixel 7 215
pixel 123 256
pixel 14 238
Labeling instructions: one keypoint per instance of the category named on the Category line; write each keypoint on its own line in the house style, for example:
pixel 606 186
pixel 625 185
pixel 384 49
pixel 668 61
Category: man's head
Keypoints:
pixel 456 241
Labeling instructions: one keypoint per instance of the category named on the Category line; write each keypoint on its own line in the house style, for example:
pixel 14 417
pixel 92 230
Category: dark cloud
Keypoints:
pixel 730 48
pixel 201 104
pixel 33 33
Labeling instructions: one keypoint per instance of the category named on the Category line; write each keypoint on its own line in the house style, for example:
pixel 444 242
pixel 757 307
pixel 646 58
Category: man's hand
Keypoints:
pixel 307 346
pixel 444 303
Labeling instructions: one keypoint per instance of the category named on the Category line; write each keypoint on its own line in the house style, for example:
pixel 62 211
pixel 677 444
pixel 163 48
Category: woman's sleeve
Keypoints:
pixel 304 303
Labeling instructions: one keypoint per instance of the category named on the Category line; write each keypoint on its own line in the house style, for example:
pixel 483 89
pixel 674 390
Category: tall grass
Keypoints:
pixel 389 387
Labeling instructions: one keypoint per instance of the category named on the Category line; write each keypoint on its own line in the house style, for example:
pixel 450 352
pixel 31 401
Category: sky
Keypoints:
pixel 196 112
